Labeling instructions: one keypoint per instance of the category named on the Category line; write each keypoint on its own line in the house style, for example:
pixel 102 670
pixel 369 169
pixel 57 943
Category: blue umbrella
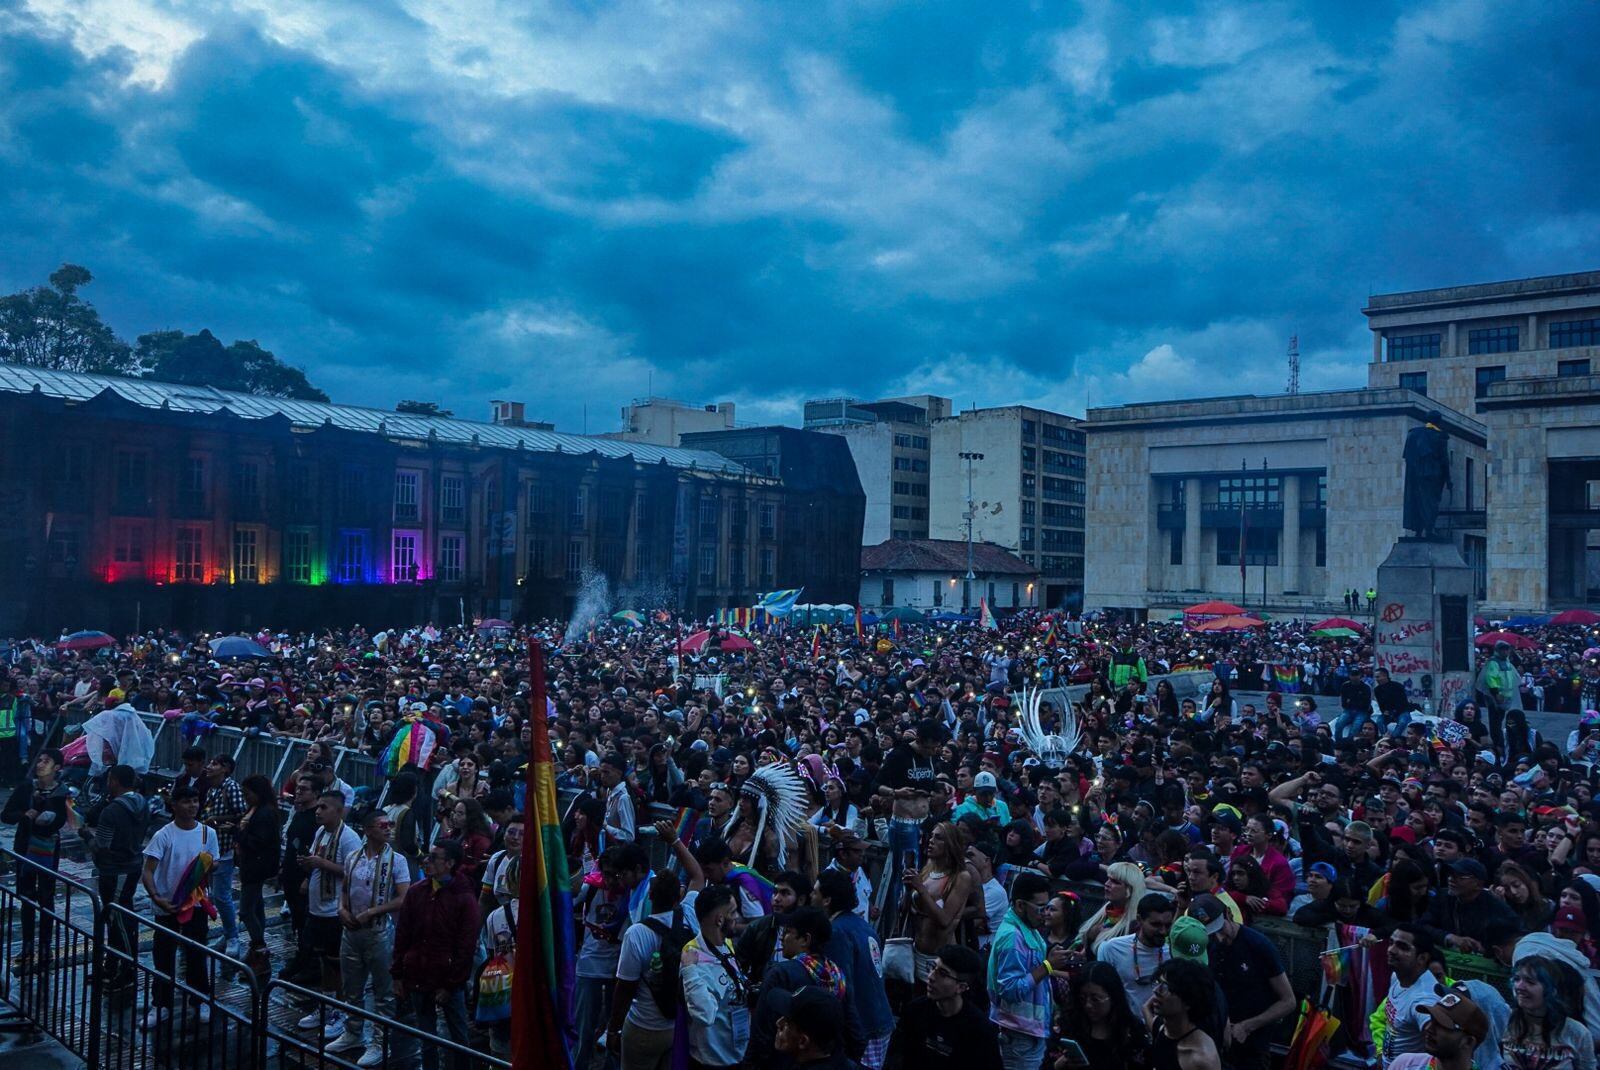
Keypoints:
pixel 1527 621
pixel 950 617
pixel 237 646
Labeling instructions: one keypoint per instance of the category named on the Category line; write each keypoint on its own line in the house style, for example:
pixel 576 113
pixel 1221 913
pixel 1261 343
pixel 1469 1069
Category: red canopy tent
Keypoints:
pixel 1339 622
pixel 1584 617
pixel 696 642
pixel 1212 609
pixel 1521 642
pixel 1231 623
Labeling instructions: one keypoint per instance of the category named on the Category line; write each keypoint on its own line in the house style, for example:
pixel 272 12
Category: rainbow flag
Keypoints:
pixel 1336 966
pixel 190 894
pixel 546 951
pixel 685 822
pixel 918 703
pixel 1051 636
pixel 630 617
pixel 1287 678
pixel 861 631
pixel 758 887
pixel 986 616
pixel 816 643
pixel 413 744
pixel 897 630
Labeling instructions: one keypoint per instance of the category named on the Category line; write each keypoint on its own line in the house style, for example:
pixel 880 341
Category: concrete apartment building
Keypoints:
pixel 1028 488
pixel 889 441
pixel 664 421
pixel 1508 365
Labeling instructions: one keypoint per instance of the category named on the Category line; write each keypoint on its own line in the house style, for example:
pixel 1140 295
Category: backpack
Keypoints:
pixel 663 975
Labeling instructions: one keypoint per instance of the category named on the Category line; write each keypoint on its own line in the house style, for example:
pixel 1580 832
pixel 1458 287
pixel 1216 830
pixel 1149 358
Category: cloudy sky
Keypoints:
pixel 574 203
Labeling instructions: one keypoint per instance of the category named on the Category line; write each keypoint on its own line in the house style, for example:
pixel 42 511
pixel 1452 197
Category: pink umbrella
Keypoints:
pixel 696 642
pixel 1234 623
pixel 1521 642
pixel 1576 616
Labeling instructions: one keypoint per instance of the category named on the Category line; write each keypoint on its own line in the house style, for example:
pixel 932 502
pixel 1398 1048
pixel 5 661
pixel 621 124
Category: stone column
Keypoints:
pixel 1449 342
pixel 1531 339
pixel 1289 552
pixel 1191 533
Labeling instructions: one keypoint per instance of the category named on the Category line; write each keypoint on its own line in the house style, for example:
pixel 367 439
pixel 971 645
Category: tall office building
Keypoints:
pixel 889 441
pixel 1028 471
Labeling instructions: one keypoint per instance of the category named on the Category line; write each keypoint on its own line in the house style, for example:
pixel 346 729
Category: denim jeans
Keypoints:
pixel 1018 1051
pixel 1397 726
pixel 905 852
pixel 423 1013
pixel 1349 722
pixel 253 912
pixel 222 899
pixel 591 1005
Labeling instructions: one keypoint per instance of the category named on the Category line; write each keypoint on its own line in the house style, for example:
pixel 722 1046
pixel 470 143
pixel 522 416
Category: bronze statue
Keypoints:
pixel 1427 457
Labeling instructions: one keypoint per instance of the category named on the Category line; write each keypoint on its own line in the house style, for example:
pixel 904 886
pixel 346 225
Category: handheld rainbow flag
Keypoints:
pixel 897 630
pixel 754 884
pixel 191 891
pixel 986 616
pixel 630 617
pixel 543 994
pixel 861 631
pixel 918 703
pixel 685 822
pixel 414 744
pixel 1336 966
pixel 1051 636
pixel 816 643
pixel 1287 677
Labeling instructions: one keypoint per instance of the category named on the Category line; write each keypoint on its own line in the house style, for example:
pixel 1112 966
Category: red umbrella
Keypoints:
pixel 86 641
pixel 1212 609
pixel 1339 622
pixel 696 642
pixel 1576 616
pixel 1521 642
pixel 1233 623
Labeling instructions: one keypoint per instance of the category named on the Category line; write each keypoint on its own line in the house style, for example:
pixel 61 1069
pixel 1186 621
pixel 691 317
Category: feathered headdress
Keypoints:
pixel 1053 750
pixel 781 798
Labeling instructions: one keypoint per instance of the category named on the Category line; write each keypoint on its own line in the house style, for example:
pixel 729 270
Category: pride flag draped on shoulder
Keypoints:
pixel 543 969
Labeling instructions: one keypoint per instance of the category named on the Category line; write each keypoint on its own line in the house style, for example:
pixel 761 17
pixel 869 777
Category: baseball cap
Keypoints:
pixel 1209 912
pixel 985 782
pixel 1468 867
pixel 1187 939
pixel 1455 1011
pixel 817 1014
pixel 1324 870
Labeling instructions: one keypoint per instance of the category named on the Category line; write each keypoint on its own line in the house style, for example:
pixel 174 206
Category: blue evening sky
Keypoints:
pixel 572 203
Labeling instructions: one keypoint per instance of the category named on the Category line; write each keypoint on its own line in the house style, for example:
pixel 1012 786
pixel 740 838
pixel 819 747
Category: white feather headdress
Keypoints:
pixel 781 798
pixel 1053 750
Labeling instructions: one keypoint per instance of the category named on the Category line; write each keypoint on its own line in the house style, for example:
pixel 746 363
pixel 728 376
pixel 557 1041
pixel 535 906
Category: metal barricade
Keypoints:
pixel 399 1039
pixel 258 755
pixel 190 1007
pixel 51 921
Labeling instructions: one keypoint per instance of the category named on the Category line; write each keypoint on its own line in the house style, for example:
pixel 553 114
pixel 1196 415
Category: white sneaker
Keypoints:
pixel 349 1040
pixel 373 1056
pixel 155 1016
pixel 334 1027
pixel 205 1014
pixel 312 1020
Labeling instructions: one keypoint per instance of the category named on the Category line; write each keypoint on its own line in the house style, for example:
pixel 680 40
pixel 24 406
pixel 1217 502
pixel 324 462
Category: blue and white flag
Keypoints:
pixel 780 603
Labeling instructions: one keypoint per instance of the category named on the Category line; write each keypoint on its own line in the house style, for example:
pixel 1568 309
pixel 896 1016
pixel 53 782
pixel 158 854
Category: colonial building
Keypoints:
pixel 1028 469
pixel 132 502
pixel 928 575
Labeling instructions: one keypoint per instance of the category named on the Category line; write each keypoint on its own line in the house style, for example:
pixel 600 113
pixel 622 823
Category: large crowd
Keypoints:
pixel 1051 884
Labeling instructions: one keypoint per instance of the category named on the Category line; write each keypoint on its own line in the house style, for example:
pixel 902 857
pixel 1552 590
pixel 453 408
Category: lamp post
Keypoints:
pixel 966 587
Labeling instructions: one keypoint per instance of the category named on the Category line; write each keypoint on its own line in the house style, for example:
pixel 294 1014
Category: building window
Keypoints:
pixel 127 544
pixel 1261 546
pixel 902 488
pixel 902 464
pixel 1026 538
pixel 769 520
pixel 63 552
pixel 452 499
pixel 541 503
pixel 351 564
pixel 919 490
pixel 1175 550
pixel 1492 340
pixel 72 465
pixel 1322 547
pixel 902 512
pixel 578 508
pixel 133 481
pixel 1028 430
pixel 406 507
pixel 886 597
pixel 769 564
pixel 574 559
pixel 641 559
pixel 1416 381
pixel 189 561
pixel 246 555
pixel 246 485
pixel 1029 510
pixel 708 564
pixel 1487 377
pixel 403 557
pixel 1572 369
pixel 903 536
pixel 450 558
pixel 919 465
pixel 1248 490
pixel 1414 347
pixel 352 489
pixel 300 492
pixel 1030 485
pixel 1467 481
pixel 709 510
pixel 736 560
pixel 1575 333
pixel 192 489
pixel 297 556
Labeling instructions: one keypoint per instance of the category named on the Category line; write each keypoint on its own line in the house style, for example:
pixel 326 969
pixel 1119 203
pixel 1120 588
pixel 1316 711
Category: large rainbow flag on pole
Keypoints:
pixel 541 997
pixel 414 744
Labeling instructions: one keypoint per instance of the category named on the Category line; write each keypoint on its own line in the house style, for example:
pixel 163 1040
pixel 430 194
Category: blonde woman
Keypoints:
pixel 937 894
pixel 1124 888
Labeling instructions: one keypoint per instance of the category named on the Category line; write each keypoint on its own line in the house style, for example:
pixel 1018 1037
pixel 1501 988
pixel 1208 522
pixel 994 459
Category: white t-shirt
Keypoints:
pixel 365 872
pixel 323 890
pixel 491 877
pixel 173 849
pixel 863 885
pixel 1136 964
pixel 995 904
pixel 639 943
pixel 1403 1034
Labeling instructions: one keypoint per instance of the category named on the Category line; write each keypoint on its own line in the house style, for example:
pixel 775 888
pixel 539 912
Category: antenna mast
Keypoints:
pixel 1294 365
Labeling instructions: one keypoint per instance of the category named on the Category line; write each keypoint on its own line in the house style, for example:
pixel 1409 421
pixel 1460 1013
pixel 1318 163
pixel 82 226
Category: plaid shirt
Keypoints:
pixel 224 803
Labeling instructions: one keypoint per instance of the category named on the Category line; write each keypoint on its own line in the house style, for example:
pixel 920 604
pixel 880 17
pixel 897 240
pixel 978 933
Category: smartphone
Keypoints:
pixel 1073 1053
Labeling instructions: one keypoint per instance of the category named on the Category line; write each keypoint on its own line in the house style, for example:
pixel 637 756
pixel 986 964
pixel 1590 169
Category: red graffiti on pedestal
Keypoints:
pixel 1404 661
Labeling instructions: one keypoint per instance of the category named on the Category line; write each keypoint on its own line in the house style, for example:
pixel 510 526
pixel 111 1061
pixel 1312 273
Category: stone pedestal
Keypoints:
pixel 1423 622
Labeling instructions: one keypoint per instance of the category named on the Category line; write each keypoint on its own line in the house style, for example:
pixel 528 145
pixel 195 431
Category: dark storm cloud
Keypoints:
pixel 1012 203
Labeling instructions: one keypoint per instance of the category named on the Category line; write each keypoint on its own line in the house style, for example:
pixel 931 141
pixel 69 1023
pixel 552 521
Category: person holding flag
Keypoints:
pixel 177 873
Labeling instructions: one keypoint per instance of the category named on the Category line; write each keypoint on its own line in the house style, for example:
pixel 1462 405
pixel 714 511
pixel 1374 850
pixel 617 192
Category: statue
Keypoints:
pixel 1427 457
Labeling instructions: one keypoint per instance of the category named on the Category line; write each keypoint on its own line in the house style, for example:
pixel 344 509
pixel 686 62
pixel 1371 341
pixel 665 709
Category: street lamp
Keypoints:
pixel 966 588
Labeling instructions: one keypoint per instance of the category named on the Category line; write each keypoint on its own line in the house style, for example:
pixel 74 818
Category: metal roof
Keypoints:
pixel 153 394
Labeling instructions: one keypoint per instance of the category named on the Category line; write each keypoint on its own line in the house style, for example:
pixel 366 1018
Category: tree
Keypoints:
pixel 52 327
pixel 202 360
pixel 422 408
